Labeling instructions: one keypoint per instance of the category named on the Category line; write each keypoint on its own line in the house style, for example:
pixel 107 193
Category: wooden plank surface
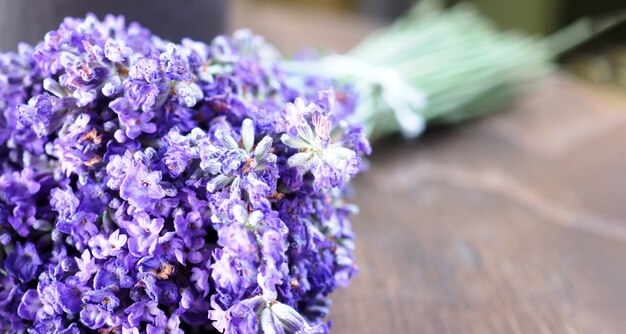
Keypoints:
pixel 515 223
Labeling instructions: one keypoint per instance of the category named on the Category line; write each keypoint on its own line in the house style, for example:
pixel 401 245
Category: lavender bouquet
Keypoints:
pixel 154 187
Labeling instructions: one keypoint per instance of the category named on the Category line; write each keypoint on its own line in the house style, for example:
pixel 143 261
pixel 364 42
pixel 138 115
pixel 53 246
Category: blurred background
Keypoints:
pixel 29 20
pixel 601 60
pixel 535 16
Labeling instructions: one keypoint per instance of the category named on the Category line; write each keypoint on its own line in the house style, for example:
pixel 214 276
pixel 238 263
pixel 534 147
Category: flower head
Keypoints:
pixel 107 246
pixel 331 164
pixel 23 263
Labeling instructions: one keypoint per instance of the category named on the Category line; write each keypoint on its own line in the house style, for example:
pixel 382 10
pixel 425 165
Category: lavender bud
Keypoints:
pixel 291 320
pixel 247 134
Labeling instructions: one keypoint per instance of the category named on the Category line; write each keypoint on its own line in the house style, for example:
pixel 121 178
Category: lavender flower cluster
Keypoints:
pixel 154 187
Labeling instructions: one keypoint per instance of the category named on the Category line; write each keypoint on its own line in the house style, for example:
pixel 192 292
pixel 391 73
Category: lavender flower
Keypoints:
pixel 152 187
pixel 23 263
pixel 330 164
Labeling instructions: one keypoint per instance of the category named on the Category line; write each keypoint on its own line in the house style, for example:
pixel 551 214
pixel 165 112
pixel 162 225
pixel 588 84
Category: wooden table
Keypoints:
pixel 514 223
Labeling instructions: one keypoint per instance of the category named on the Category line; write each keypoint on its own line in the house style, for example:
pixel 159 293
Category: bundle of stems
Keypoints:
pixel 436 65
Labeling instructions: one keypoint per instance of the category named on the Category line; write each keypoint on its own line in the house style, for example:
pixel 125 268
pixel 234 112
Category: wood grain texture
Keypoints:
pixel 515 223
